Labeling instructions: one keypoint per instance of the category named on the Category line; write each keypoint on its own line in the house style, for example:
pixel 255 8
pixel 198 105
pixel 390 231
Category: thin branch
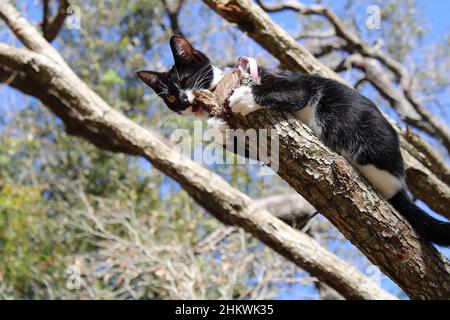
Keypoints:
pixel 172 9
pixel 52 25
pixel 45 15
pixel 321 47
pixel 291 208
pixel 380 80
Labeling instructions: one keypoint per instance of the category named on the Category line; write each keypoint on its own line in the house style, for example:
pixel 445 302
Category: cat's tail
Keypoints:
pixel 430 228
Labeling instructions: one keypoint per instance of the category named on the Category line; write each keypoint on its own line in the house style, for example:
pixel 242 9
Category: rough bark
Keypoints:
pixel 425 154
pixel 252 20
pixel 85 108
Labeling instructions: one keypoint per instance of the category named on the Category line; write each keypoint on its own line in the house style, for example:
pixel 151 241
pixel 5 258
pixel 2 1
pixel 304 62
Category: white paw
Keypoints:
pixel 218 128
pixel 241 101
pixel 218 124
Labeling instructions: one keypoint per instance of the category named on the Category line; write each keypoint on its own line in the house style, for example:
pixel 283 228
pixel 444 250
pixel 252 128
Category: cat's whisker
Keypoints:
pixel 198 75
pixel 178 75
pixel 202 81
pixel 201 78
pixel 164 86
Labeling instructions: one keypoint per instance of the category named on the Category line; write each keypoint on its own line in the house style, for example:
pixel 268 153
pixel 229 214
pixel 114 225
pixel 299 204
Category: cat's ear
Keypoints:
pixel 153 79
pixel 184 53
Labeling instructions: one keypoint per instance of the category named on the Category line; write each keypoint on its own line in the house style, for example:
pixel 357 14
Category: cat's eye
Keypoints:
pixel 171 98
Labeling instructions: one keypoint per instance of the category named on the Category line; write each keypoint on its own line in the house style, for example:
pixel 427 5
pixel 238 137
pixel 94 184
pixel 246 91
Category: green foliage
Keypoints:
pixel 29 248
pixel 111 77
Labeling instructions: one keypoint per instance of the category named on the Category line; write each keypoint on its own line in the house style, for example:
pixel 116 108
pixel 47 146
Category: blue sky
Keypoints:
pixel 436 15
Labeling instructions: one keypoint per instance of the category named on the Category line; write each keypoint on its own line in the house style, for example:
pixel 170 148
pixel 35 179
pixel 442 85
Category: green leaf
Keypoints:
pixel 111 77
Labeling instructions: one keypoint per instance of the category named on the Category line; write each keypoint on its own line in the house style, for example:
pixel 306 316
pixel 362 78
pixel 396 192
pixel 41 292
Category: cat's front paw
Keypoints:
pixel 242 101
pixel 218 124
pixel 220 127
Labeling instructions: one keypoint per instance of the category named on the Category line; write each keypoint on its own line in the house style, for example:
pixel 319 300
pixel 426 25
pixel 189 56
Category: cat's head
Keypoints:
pixel 192 71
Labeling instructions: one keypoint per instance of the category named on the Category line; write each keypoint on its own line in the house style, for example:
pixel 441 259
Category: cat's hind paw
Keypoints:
pixel 242 101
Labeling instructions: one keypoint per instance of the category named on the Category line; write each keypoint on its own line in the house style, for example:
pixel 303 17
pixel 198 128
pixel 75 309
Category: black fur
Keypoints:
pixel 349 121
pixel 435 230
pixel 192 70
pixel 352 126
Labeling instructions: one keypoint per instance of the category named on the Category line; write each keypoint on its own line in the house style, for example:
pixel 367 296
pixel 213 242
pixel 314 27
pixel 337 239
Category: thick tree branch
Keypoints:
pixel 425 154
pixel 87 109
pixel 251 19
pixel 297 212
pixel 424 186
pixel 222 200
pixel 71 119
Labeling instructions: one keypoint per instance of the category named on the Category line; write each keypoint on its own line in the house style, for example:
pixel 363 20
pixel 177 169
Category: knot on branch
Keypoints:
pixel 343 173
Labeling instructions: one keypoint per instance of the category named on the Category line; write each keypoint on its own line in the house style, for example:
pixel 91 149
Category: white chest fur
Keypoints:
pixel 308 116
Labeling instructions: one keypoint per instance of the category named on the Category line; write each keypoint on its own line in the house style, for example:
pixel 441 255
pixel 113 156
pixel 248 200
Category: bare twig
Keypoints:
pixel 173 9
pixel 51 25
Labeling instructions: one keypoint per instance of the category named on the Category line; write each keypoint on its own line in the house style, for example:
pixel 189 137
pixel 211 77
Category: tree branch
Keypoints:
pixel 381 81
pixel 30 37
pixel 224 202
pixel 250 18
pixel 173 9
pixel 52 25
pixel 321 47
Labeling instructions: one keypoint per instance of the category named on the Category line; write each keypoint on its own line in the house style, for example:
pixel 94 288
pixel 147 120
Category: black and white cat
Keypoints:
pixel 192 71
pixel 342 118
